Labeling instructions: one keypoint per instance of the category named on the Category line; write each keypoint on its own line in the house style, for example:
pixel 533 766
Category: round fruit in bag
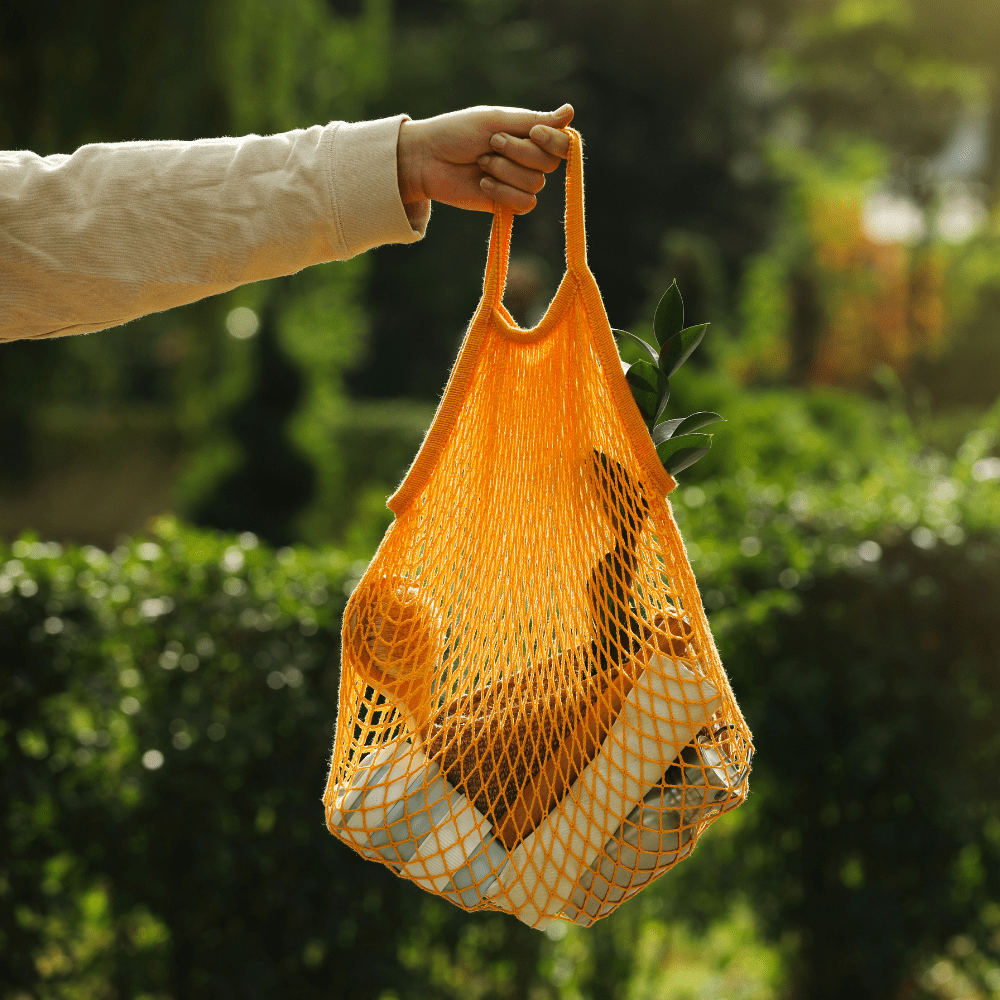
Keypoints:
pixel 394 638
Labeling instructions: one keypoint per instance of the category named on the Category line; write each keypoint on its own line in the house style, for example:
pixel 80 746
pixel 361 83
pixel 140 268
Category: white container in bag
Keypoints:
pixel 660 831
pixel 399 808
pixel 668 704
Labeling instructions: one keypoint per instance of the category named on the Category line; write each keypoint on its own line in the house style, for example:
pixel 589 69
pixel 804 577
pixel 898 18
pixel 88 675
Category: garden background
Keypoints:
pixel 187 501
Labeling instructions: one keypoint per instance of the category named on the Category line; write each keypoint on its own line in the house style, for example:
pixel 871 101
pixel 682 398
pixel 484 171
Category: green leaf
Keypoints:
pixel 702 418
pixel 632 338
pixel 668 320
pixel 677 453
pixel 664 399
pixel 684 458
pixel 645 381
pixel 679 347
pixel 664 430
pixel 644 374
pixel 684 425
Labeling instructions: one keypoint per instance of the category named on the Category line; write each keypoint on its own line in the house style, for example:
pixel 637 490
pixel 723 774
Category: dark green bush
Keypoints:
pixel 875 834
pixel 855 582
pixel 852 578
pixel 167 718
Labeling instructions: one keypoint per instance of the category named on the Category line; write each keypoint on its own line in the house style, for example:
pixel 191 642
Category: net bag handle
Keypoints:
pixel 577 281
pixel 576 238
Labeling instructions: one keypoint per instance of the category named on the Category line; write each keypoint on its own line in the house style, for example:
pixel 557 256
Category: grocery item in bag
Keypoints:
pixel 526 659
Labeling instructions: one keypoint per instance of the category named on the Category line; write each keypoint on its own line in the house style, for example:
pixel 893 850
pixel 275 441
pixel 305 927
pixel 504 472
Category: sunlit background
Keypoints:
pixel 186 501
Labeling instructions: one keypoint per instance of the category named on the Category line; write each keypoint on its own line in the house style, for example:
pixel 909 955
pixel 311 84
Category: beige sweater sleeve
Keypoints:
pixel 115 231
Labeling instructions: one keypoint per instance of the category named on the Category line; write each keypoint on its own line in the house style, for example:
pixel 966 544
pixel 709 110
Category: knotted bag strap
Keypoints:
pixel 578 281
pixel 576 237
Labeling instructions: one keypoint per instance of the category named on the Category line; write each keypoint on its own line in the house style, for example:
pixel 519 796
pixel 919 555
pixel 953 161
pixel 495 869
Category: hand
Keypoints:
pixel 481 157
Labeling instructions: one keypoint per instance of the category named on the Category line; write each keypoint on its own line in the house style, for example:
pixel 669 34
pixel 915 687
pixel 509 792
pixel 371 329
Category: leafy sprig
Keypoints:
pixel 679 441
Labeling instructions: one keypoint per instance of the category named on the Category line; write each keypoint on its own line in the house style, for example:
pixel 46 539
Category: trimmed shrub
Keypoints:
pixel 853 579
pixel 168 712
pixel 168 709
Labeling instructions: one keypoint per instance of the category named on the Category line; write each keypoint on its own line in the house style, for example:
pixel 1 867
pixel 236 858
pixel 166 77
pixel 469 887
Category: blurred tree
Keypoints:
pixel 882 127
pixel 672 136
pixel 247 67
pixel 273 483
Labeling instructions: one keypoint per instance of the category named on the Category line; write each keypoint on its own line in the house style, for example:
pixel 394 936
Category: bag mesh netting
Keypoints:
pixel 533 716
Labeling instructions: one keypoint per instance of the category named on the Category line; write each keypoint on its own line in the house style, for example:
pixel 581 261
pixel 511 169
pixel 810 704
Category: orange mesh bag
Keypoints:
pixel 533 716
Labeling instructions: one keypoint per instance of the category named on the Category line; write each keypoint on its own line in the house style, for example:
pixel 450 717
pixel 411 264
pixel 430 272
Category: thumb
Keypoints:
pixel 520 123
pixel 559 118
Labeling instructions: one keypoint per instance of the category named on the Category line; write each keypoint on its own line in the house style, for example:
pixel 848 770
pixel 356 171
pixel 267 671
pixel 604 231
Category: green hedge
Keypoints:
pixel 853 577
pixel 168 709
pixel 167 720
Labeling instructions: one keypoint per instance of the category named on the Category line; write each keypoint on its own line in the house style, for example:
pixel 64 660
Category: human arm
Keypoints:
pixel 116 231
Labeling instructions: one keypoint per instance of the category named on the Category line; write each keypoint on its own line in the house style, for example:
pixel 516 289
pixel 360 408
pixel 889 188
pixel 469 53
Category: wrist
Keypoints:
pixel 409 162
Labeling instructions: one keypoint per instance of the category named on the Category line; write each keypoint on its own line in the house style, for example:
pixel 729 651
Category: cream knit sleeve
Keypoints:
pixel 115 231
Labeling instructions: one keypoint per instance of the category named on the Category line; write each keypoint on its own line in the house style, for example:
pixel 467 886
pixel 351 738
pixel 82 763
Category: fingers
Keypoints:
pixel 554 141
pixel 518 201
pixel 513 147
pixel 517 172
pixel 510 173
pixel 521 165
pixel 526 152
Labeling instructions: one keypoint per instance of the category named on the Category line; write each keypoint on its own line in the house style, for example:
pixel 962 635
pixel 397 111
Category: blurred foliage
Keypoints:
pixel 168 708
pixel 821 178
pixel 852 577
pixel 273 483
pixel 192 70
pixel 882 130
